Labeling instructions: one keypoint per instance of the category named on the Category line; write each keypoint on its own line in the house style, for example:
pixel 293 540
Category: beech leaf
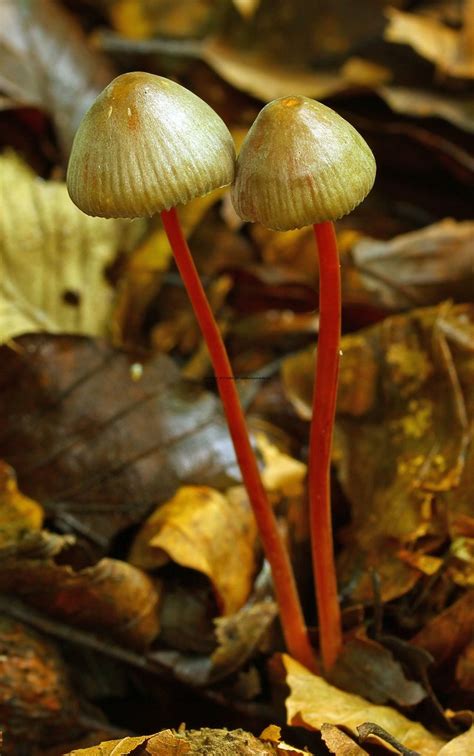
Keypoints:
pixel 313 702
pixel 203 530
pixel 53 258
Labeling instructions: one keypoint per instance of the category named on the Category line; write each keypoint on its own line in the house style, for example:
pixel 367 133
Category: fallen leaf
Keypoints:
pixel 240 635
pixel 339 742
pixel 465 668
pixel 424 103
pixel 313 702
pixel 386 681
pixel 18 513
pixel 53 258
pixel 445 636
pixel 425 266
pixel 36 699
pixel 267 79
pixel 45 61
pixel 112 596
pixel 203 530
pixel 100 438
pixel 459 746
pixel 438 43
pixel 209 741
pixel 402 441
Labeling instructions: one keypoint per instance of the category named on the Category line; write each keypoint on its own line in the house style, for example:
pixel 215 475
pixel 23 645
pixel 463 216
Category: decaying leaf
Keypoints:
pixel 45 62
pixel 405 408
pixel 212 742
pixel 313 702
pixel 386 682
pixel 339 743
pixel 112 596
pixel 95 435
pixel 18 513
pixel 37 703
pixel 424 266
pixel 53 258
pixel 203 530
pixel 449 49
pixel 447 634
pixel 423 103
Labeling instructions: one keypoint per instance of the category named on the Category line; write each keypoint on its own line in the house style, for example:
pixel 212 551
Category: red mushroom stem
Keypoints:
pixel 324 409
pixel 292 620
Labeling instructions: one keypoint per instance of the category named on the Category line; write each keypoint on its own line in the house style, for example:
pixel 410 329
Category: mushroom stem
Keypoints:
pixel 292 620
pixel 324 408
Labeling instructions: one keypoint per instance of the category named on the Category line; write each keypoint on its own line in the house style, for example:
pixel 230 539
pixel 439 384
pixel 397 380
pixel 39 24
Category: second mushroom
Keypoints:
pixel 300 164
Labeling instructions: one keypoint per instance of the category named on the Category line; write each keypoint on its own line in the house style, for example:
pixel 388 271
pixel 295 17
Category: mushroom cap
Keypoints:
pixel 146 145
pixel 301 163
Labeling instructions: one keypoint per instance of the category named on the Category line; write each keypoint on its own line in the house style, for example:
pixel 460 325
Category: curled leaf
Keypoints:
pixel 203 530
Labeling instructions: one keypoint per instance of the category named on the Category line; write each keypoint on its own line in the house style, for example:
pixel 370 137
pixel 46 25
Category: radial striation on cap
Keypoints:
pixel 147 144
pixel 301 163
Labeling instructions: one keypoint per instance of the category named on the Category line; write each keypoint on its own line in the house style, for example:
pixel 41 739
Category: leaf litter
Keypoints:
pixel 102 439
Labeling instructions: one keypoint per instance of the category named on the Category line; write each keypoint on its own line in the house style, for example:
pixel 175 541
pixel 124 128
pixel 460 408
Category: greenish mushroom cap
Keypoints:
pixel 301 163
pixel 147 144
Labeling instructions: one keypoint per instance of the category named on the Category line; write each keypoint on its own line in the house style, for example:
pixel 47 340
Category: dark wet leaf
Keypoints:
pixel 447 634
pixel 367 668
pixel 98 438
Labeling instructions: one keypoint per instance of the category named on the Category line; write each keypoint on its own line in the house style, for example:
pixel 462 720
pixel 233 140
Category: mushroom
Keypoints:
pixel 146 145
pixel 301 164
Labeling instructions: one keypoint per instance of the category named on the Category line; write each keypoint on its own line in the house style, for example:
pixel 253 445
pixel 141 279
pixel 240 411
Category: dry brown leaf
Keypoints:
pixel 447 634
pixel 203 530
pixel 313 702
pixel 465 668
pixel 46 62
pixel 53 258
pixel 18 513
pixel 339 742
pixel 112 596
pixel 447 48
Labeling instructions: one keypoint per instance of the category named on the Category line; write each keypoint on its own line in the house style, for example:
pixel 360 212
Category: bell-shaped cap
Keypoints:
pixel 301 163
pixel 146 145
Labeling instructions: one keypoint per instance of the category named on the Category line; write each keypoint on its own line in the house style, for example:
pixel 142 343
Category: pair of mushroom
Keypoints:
pixel 146 145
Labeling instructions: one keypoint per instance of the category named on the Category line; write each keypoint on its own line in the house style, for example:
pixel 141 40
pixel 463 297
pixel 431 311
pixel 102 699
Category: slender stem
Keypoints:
pixel 292 620
pixel 324 408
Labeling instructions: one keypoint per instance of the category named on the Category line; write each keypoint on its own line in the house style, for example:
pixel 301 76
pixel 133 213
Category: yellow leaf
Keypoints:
pixel 18 513
pixel 53 258
pixel 460 746
pixel 313 702
pixel 203 530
